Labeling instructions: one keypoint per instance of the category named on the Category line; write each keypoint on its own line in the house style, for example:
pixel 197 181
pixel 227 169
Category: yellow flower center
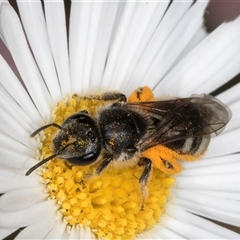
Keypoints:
pixel 110 204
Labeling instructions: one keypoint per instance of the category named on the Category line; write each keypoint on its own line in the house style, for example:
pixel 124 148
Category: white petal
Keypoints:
pixel 57 231
pixel 65 235
pixel 15 111
pixel 39 229
pixel 11 159
pixel 209 212
pixel 185 30
pixel 14 181
pixel 13 85
pixel 228 182
pixel 56 27
pixel 27 216
pixel 125 20
pixel 228 142
pixel 224 68
pixel 211 162
pixel 35 28
pixel 11 144
pixel 229 206
pixel 170 20
pixel 202 223
pixel 4 2
pixel 188 231
pixel 221 194
pixel 194 71
pixel 16 43
pixel 85 233
pixel 6 232
pixel 21 199
pixel 130 41
pixel 164 233
pixel 82 25
pixel 106 23
pixel 74 234
pixel 96 10
pixel 218 168
pixel 11 126
pixel 196 39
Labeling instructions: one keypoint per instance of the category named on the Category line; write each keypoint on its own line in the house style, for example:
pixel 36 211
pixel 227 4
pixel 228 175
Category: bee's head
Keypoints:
pixel 78 141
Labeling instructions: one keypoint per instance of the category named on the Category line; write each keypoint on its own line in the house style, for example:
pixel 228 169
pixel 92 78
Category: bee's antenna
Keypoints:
pixel 46 126
pixel 46 159
pixel 40 164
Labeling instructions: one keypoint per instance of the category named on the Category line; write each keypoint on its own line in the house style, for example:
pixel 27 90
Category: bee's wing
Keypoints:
pixel 183 118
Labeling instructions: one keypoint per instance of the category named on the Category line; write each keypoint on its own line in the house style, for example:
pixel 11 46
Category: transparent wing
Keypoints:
pixel 182 118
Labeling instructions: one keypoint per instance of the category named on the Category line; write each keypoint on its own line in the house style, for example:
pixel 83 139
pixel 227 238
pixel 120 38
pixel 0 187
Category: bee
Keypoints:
pixel 143 131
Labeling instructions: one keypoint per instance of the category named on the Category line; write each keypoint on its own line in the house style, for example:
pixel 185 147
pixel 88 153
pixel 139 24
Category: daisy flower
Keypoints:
pixel 113 45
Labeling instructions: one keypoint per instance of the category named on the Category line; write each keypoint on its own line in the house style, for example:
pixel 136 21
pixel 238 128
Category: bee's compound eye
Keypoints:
pixel 83 160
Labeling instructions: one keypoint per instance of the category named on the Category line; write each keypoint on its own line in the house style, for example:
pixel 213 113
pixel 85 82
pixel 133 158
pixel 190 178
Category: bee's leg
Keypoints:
pixel 104 164
pixel 144 179
pixel 100 168
pixel 108 96
pixel 114 96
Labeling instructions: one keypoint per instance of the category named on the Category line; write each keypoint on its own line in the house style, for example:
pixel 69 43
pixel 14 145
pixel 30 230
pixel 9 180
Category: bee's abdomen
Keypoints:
pixel 192 146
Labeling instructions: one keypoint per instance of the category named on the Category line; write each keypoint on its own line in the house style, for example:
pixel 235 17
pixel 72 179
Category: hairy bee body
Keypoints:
pixel 143 131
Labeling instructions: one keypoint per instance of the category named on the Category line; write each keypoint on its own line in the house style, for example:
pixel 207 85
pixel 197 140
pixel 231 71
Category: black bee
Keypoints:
pixel 122 131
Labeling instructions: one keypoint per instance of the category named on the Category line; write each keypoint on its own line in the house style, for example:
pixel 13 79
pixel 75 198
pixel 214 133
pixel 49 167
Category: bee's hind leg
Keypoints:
pixel 114 96
pixel 144 179
pixel 107 96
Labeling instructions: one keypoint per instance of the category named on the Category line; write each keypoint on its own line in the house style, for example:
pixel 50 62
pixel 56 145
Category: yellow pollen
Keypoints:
pixel 110 204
